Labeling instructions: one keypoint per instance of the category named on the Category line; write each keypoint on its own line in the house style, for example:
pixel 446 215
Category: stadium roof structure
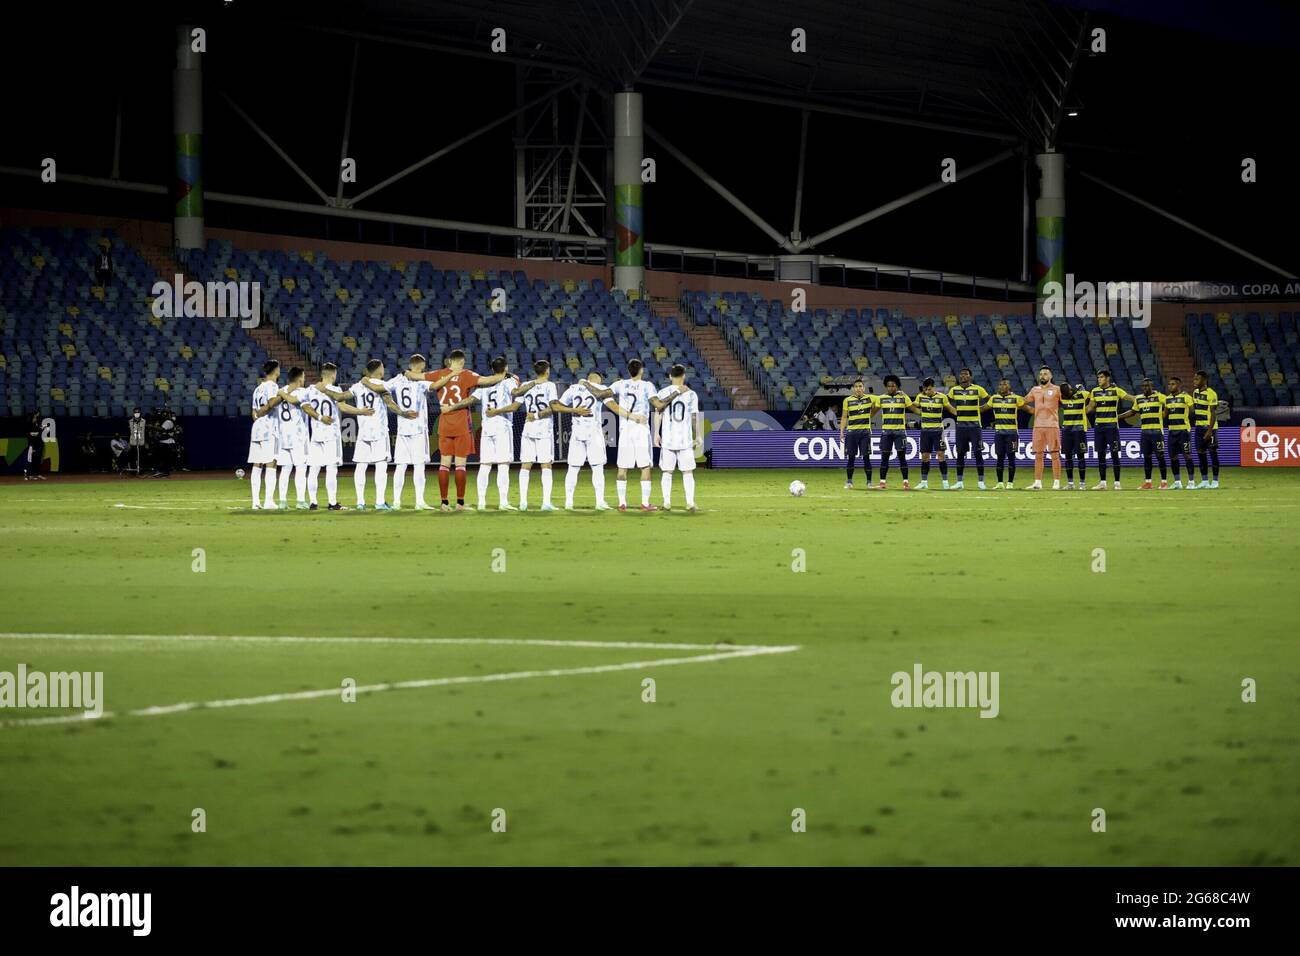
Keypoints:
pixel 999 69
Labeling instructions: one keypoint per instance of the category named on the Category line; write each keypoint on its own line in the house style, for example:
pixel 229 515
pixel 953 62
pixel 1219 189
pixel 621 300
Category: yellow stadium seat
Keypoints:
pixel 187 352
pixel 557 313
pixel 1001 329
pixel 399 266
pixel 634 295
pixel 289 283
pixel 69 349
pixel 1004 361
pixel 38 262
pixel 747 332
pixel 861 363
pixel 480 274
pixel 1111 348
pixel 661 353
pixel 56 393
pixel 882 333
pixel 98 292
pixel 308 331
pixel 203 395
pixel 589 334
pixel 1276 378
pixel 1223 318
pixel 949 381
pixel 232 273
pixel 104 242
pixel 1225 368
pixel 342 294
pixel 951 321
pixel 65 328
pixel 1247 348
pixel 1103 320
pixel 573 363
pixel 3 361
pixel 769 362
pixel 73 310
pixel 349 343
pixel 155 321
pixel 788 391
pixel 106 373
pixel 415 294
pixel 162 384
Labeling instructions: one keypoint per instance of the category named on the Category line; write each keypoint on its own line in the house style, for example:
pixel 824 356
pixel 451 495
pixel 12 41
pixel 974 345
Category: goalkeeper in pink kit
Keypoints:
pixel 1044 400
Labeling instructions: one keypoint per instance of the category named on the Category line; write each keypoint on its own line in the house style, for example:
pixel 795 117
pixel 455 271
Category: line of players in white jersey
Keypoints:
pixel 297 432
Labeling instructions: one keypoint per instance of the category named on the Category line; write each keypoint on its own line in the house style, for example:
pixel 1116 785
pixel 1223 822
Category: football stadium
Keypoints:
pixel 650 433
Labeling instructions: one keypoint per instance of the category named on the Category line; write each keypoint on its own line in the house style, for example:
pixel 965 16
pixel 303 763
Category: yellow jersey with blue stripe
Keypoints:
pixel 1106 404
pixel 931 409
pixel 1151 411
pixel 855 414
pixel 1206 401
pixel 1178 410
pixel 1005 408
pixel 893 411
pixel 966 401
pixel 1074 411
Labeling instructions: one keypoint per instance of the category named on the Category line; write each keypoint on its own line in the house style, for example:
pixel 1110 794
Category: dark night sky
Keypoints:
pixel 1166 113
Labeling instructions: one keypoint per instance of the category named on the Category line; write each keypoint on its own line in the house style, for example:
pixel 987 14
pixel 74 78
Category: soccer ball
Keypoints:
pixel 239 473
pixel 797 488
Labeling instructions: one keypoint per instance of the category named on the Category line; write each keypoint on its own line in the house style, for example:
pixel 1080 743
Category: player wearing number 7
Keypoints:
pixel 632 399
pixel 680 436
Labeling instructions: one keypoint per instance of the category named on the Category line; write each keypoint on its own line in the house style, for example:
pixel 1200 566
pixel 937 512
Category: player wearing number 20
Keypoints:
pixel 680 434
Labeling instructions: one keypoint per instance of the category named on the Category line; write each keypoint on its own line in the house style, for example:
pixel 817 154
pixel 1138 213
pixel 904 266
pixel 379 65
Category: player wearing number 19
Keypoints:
pixel 373 441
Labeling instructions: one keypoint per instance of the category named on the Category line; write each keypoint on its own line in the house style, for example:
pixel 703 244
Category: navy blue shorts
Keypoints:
pixel 1152 440
pixel 1074 442
pixel 970 436
pixel 1106 438
pixel 1004 444
pixel 891 440
pixel 1180 442
pixel 931 440
pixel 856 442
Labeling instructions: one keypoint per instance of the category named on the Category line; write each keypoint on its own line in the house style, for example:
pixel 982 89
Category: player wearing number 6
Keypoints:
pixel 632 399
pixel 680 434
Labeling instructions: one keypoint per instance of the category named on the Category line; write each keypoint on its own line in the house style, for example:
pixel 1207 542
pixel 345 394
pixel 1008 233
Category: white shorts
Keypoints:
pixel 262 452
pixel 496 449
pixel 322 454
pixel 586 451
pixel 537 451
pixel 412 450
pixel 683 459
pixel 372 451
pixel 634 447
pixel 288 457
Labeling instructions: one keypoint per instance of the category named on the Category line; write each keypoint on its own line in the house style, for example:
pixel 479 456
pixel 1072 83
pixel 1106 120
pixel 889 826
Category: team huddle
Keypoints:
pixel 1060 427
pixel 297 433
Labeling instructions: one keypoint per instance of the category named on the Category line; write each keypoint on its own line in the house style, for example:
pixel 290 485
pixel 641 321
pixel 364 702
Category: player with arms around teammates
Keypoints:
pixel 632 399
pixel 541 401
pixel 679 436
pixel 497 437
pixel 294 432
pixel 263 443
pixel 586 441
pixel 373 442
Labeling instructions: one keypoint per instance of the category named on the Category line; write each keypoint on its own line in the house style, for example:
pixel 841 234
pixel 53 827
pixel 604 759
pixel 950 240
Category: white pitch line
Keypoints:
pixel 186 706
pixel 295 639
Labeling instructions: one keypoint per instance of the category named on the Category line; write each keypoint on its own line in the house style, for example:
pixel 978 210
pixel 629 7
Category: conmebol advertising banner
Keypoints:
pixel 812 449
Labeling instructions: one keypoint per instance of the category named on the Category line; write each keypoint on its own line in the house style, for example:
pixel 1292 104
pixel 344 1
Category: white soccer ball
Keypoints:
pixel 797 488
pixel 239 473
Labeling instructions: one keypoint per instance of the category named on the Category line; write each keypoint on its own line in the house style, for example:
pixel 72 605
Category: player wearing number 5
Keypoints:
pixel 679 436
pixel 632 399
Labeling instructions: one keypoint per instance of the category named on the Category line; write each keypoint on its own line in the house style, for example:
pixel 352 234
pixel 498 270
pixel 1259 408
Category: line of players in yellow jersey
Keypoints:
pixel 1184 414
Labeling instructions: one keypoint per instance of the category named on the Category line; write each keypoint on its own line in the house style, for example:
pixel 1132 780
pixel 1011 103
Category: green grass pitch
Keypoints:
pixel 1119 690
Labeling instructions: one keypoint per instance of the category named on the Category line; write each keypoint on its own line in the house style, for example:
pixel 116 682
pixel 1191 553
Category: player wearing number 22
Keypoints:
pixel 632 399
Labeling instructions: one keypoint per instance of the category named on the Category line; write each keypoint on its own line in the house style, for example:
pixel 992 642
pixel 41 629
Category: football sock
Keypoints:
pixel 270 486
pixel 461 477
pixel 570 485
pixel 381 481
pixel 332 483
pixel 255 478
pixel 484 476
pixel 645 492
pixel 523 485
pixel 399 481
pixel 503 484
pixel 419 483
pixel 688 485
pixel 666 485
pixel 547 479
pixel 313 482
pixel 598 482
pixel 621 485
pixel 444 480
pixel 284 483
pixel 359 482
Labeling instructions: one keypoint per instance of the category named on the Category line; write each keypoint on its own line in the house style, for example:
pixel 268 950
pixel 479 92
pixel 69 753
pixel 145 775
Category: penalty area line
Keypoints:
pixel 186 706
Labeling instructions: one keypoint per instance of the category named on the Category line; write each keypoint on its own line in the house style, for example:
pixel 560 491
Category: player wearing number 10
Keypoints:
pixel 680 436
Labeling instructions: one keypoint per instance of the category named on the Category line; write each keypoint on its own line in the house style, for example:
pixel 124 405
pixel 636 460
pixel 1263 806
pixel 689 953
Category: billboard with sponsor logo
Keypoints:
pixel 1267 447
pixel 811 449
